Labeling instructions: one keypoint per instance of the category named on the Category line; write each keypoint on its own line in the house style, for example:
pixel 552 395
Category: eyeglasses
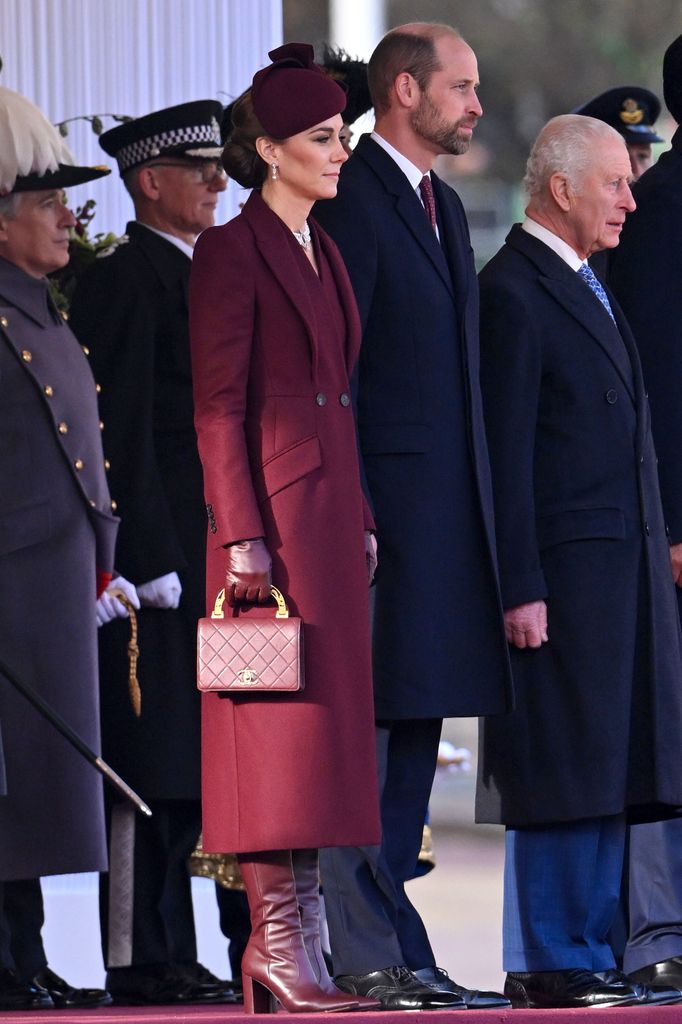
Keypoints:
pixel 205 171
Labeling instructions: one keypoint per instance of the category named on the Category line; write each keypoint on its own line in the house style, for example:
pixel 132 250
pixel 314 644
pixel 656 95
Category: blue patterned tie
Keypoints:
pixel 595 286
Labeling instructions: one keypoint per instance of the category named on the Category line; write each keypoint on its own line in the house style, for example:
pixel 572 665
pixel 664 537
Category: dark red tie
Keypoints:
pixel 428 198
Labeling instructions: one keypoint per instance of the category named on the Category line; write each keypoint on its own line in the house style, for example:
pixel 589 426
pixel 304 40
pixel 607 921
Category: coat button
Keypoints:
pixel 93 504
pixel 101 425
pixel 114 506
pixel 63 314
pixel 63 428
pixel 321 398
pixel 79 464
pixel 4 322
pixel 646 528
pixel 611 396
pixel 26 355
pixel 49 391
pixel 86 349
pixel 344 399
pixel 107 464
pixel 98 388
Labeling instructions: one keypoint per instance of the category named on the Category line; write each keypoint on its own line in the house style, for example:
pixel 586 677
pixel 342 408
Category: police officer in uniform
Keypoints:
pixel 57 535
pixel 131 310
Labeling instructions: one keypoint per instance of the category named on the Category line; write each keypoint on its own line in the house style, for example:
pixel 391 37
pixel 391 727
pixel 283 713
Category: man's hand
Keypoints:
pixel 526 625
pixel 109 607
pixel 163 592
pixel 676 562
pixel 248 572
pixel 370 555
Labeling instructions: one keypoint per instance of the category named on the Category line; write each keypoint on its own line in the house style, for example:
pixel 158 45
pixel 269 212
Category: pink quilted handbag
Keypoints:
pixel 249 655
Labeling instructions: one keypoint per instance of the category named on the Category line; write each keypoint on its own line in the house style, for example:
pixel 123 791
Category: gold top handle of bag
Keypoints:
pixel 281 613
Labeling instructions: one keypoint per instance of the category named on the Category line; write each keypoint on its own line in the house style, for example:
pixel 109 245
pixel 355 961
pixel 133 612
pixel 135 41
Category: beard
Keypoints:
pixel 428 122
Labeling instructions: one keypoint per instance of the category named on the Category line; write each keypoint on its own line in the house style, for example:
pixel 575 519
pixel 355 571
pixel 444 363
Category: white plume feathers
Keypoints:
pixel 29 144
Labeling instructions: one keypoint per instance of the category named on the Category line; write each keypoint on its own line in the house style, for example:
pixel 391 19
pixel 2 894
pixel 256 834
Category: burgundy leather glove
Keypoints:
pixel 247 574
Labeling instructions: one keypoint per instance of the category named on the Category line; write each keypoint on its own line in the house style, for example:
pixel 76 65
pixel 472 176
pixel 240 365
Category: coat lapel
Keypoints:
pixel 268 232
pixel 171 265
pixel 575 297
pixel 408 206
pixel 456 246
pixel 346 297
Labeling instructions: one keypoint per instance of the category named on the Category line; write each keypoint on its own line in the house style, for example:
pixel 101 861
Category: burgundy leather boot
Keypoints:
pixel 307 875
pixel 275 965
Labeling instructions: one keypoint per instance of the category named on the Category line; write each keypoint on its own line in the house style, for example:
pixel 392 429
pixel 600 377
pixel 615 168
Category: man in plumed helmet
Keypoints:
pixel 632 111
pixel 131 310
pixel 57 535
pixel 644 274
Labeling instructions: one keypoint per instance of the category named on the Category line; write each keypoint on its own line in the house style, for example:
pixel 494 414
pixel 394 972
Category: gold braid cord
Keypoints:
pixel 219 867
pixel 133 651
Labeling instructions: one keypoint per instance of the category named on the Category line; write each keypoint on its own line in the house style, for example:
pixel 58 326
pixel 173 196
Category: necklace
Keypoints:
pixel 303 237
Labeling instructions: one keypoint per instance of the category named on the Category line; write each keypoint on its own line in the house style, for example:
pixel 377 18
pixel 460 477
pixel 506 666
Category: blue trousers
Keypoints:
pixel 654 894
pixel 561 890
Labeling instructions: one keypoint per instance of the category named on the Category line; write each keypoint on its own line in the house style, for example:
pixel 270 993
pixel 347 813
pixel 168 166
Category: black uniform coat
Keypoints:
pixel 56 528
pixel 131 310
pixel 439 647
pixel 644 273
pixel 598 723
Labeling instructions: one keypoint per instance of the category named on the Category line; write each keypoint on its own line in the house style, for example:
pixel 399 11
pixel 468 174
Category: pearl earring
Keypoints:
pixel 275 171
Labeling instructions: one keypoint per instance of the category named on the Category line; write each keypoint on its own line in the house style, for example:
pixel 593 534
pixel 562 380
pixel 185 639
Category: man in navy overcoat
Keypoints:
pixel 439 646
pixel 644 274
pixel 589 599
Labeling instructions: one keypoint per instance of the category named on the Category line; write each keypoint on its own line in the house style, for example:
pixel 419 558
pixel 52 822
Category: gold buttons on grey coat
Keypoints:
pixel 26 355
pixel 101 425
pixel 98 388
pixel 86 349
pixel 49 390
pixel 63 428
pixel 114 506
pixel 4 322
pixel 107 464
pixel 63 314
pixel 79 464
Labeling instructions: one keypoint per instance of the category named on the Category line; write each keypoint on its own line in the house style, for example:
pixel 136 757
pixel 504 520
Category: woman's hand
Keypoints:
pixel 248 572
pixel 370 555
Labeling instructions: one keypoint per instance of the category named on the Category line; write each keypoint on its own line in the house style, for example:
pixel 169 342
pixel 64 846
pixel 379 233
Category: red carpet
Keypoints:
pixel 235 1015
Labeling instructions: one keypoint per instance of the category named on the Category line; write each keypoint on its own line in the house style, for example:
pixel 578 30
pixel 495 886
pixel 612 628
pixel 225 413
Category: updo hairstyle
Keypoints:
pixel 240 157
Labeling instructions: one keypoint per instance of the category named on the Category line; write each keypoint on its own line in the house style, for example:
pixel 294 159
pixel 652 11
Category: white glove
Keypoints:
pixel 163 592
pixel 109 607
pixel 453 759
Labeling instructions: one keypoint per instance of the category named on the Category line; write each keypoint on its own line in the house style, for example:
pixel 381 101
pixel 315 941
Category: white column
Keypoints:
pixel 357 25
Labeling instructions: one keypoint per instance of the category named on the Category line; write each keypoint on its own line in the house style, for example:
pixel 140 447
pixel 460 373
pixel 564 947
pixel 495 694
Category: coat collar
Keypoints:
pixel 570 292
pixel 171 265
pixel 29 294
pixel 408 206
pixel 271 236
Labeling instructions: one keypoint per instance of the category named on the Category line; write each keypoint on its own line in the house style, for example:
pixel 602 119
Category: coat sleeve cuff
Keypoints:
pixel 523 588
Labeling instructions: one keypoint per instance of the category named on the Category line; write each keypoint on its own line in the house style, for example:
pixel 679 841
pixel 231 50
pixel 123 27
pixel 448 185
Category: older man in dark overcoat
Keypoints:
pixel 57 534
pixel 645 277
pixel 586 583
pixel 438 640
pixel 131 309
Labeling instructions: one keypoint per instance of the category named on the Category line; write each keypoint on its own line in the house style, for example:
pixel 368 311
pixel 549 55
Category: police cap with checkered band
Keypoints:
pixel 187 130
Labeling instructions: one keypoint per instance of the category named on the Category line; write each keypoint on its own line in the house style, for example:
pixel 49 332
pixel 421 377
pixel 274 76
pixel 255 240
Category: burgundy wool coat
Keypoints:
pixel 278 447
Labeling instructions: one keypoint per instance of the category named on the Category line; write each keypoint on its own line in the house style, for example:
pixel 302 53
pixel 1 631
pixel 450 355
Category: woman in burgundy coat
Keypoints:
pixel 275 335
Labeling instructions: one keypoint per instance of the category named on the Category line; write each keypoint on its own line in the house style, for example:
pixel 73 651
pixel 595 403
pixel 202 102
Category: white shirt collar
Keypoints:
pixel 556 244
pixel 413 174
pixel 182 246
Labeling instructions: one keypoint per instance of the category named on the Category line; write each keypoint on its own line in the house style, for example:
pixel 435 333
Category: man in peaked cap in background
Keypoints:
pixel 131 310
pixel 632 111
pixel 57 535
pixel 644 274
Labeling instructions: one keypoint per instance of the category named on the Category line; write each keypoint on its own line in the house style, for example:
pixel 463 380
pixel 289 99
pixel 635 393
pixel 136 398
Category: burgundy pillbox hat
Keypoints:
pixel 294 93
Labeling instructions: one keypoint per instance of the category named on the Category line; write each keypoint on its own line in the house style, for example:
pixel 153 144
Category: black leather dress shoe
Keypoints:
pixel 202 980
pixel 573 988
pixel 65 996
pixel 19 995
pixel 436 977
pixel 650 995
pixel 397 988
pixel 665 972
pixel 161 985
